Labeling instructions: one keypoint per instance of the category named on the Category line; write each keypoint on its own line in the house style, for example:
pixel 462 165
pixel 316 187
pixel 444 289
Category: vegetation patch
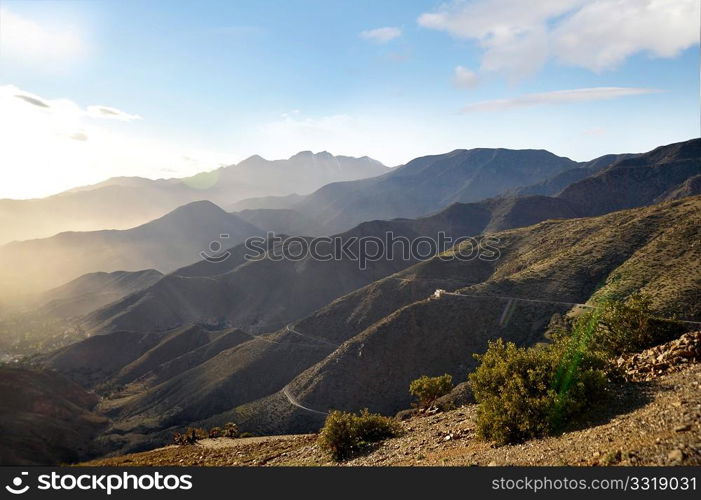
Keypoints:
pixel 346 434
pixel 632 326
pixel 194 434
pixel 526 393
pixel 190 436
pixel 428 389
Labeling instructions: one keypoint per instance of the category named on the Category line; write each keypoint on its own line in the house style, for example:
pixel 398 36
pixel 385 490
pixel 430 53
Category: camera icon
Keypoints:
pixel 16 487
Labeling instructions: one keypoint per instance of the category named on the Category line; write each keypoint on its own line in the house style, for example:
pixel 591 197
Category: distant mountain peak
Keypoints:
pixel 302 155
pixel 254 158
pixel 199 205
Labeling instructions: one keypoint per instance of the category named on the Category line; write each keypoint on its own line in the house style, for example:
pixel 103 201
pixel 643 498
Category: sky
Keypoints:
pixel 92 89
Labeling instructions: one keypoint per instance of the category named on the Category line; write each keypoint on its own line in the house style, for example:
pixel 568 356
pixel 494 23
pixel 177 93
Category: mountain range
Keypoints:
pixel 194 347
pixel 423 186
pixel 125 202
pixel 362 349
pixel 274 344
pixel 242 291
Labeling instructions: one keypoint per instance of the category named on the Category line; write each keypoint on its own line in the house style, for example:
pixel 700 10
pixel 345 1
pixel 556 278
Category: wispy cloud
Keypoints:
pixel 32 100
pixel 517 37
pixel 556 97
pixel 465 78
pixel 110 113
pixel 381 35
pixel 69 108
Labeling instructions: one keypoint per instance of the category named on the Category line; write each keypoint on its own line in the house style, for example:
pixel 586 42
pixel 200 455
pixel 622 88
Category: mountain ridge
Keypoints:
pixel 124 202
pixel 165 244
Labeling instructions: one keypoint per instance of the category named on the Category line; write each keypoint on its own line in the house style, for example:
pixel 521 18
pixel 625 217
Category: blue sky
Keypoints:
pixel 169 88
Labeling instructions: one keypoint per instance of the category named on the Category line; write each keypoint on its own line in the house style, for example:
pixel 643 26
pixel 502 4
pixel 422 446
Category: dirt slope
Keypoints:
pixel 656 423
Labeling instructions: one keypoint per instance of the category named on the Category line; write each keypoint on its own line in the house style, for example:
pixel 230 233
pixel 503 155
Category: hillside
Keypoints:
pixel 261 296
pixel 555 184
pixel 560 261
pixel 650 425
pixel 637 181
pixel 279 221
pixel 172 241
pixel 93 291
pixel 50 320
pixel 125 202
pixel 50 420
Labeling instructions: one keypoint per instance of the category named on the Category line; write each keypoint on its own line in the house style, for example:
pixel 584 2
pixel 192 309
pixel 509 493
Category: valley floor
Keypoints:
pixel 650 423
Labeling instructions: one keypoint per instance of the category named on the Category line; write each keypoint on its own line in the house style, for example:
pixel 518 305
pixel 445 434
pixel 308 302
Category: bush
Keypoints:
pixel 190 436
pixel 531 392
pixel 231 430
pixel 428 389
pixel 631 326
pixel 215 432
pixel 345 434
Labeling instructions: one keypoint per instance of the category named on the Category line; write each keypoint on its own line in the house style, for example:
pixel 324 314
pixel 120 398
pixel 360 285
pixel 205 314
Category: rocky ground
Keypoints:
pixel 657 422
pixel 671 357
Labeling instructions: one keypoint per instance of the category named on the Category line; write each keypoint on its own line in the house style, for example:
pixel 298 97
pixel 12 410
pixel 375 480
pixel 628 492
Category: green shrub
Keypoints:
pixel 345 434
pixel 428 389
pixel 631 326
pixel 531 392
pixel 231 430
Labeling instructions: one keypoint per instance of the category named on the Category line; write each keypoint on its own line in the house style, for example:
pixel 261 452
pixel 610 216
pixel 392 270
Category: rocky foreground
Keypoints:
pixel 655 420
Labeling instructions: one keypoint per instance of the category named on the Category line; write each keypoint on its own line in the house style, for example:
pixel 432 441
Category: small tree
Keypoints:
pixel 531 392
pixel 190 436
pixel 428 389
pixel 231 430
pixel 345 434
pixel 632 326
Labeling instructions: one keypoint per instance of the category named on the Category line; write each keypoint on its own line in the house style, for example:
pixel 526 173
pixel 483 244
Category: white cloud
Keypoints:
pixel 381 35
pixel 66 108
pixel 557 97
pixel 47 45
pixel 465 78
pixel 603 33
pixel 512 33
pixel 518 37
pixel 50 145
pixel 110 113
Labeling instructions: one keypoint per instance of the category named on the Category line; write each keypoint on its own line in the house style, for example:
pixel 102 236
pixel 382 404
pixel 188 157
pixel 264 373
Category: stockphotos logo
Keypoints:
pixel 106 483
pixel 16 487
